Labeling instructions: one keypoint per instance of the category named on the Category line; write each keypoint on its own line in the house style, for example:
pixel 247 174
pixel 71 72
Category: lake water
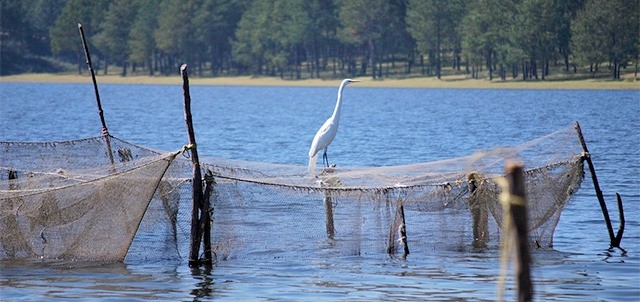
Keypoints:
pixel 378 127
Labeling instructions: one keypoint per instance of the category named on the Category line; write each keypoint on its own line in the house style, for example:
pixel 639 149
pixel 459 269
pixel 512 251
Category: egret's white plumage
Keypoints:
pixel 327 132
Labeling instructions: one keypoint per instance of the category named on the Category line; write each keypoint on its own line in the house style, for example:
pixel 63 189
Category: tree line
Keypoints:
pixel 318 38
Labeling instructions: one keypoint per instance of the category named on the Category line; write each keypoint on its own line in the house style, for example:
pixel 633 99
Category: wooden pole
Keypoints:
pixel 196 194
pixel 328 211
pixel 391 244
pixel 12 175
pixel 518 214
pixel 105 131
pixel 403 229
pixel 398 226
pixel 614 240
pixel 205 218
pixel 621 229
pixel 479 214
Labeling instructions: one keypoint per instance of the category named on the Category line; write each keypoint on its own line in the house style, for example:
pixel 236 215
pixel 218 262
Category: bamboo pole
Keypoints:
pixel 516 206
pixel 196 195
pixel 105 131
pixel 614 239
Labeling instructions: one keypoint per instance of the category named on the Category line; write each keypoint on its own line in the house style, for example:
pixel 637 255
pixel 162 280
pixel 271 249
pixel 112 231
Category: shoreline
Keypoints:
pixel 461 82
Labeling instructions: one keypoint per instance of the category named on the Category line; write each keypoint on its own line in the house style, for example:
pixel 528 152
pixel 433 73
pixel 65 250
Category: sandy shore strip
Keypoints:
pixel 416 82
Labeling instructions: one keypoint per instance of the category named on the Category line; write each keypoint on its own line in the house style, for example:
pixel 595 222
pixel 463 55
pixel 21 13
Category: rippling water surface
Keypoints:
pixel 378 127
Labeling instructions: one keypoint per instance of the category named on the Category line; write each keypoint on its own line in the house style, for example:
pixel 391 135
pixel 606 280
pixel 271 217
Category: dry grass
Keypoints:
pixel 453 81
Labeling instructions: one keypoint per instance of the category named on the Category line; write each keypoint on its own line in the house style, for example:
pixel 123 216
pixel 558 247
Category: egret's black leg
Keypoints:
pixel 325 158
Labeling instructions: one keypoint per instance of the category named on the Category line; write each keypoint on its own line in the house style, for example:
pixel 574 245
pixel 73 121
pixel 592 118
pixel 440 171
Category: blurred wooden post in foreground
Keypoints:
pixel 517 228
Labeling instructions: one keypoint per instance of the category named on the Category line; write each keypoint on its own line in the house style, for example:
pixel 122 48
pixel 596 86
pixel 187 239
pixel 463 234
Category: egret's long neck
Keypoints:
pixel 336 111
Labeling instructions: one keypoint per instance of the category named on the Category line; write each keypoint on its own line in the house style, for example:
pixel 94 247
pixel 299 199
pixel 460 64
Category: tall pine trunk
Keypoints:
pixel 372 58
pixel 490 64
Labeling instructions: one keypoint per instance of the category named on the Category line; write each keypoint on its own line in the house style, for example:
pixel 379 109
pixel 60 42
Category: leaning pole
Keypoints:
pixel 105 131
pixel 196 194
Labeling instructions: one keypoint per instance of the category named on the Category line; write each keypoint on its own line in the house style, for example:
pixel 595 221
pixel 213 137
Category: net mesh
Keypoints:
pixel 66 200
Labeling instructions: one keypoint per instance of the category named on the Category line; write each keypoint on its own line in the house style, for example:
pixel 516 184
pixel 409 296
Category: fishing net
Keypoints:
pixel 269 210
pixel 66 200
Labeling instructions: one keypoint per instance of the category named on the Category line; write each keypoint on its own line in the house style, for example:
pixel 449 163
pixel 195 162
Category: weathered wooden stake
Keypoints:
pixel 391 244
pixel 196 195
pixel 205 217
pixel 614 239
pixel 12 175
pixel 328 211
pixel 403 229
pixel 399 226
pixel 479 214
pixel 518 214
pixel 621 229
pixel 105 131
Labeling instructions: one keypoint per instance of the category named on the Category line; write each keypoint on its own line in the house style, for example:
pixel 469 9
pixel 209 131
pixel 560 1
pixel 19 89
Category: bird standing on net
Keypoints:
pixel 328 131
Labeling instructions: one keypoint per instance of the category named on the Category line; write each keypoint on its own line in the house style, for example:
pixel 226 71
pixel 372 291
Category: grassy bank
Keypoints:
pixel 454 81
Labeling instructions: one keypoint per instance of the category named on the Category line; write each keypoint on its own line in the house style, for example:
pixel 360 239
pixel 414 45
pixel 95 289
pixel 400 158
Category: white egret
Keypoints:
pixel 327 132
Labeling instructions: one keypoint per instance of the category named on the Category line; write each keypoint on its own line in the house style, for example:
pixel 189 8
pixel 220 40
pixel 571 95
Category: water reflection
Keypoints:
pixel 204 284
pixel 614 255
pixel 69 280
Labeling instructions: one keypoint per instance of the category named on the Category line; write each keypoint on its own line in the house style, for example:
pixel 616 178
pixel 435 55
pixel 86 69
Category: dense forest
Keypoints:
pixel 523 39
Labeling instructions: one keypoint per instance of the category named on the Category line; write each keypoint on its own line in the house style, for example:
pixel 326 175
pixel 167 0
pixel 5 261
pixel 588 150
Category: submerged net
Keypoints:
pixel 265 210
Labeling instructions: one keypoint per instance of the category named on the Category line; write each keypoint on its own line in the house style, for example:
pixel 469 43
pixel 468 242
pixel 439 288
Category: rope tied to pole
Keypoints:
pixel 105 131
pixel 185 150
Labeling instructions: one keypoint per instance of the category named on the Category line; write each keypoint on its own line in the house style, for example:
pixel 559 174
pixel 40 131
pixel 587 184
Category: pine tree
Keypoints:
pixel 601 33
pixel 65 39
pixel 113 38
pixel 141 42
pixel 433 24
pixel 363 23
